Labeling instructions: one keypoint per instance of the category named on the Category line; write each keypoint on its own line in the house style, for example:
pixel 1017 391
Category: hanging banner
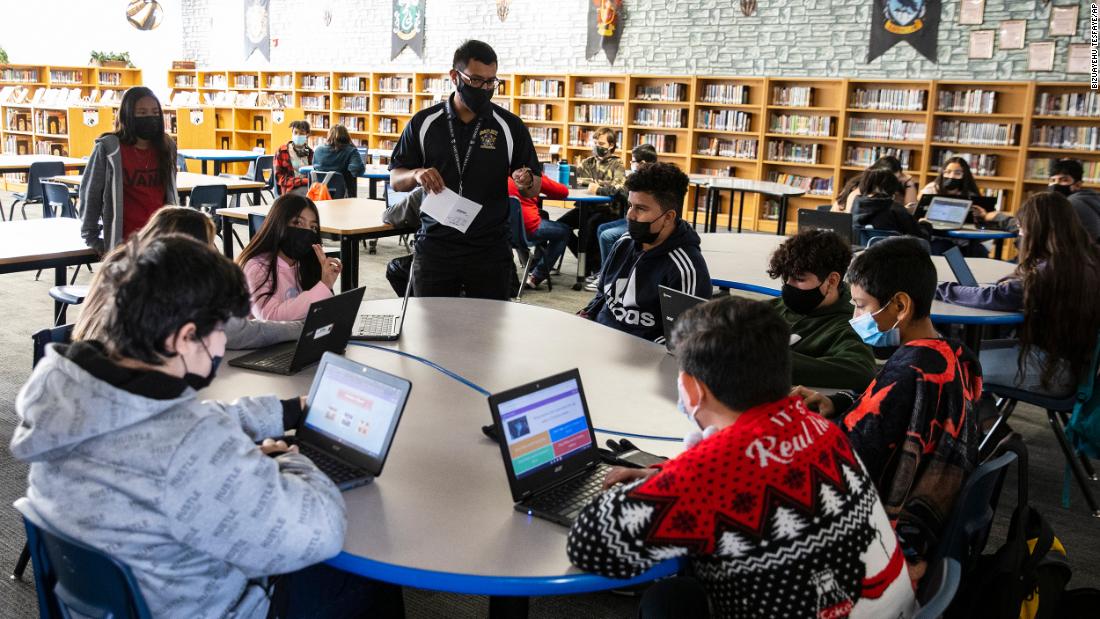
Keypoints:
pixel 605 28
pixel 408 27
pixel 917 22
pixel 257 28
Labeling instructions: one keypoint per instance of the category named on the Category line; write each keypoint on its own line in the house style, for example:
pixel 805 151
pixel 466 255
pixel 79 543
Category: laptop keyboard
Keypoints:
pixel 281 360
pixel 375 324
pixel 337 471
pixel 569 498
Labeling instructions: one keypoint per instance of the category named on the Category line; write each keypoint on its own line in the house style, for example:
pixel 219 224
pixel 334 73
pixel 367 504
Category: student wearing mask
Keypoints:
pixel 659 249
pixel 915 427
pixel 817 305
pixel 1057 287
pixel 1066 176
pixel 877 207
pixel 824 550
pixel 541 229
pixel 601 174
pixel 285 265
pixel 339 155
pixel 612 231
pixel 291 157
pixel 125 455
pixel 907 196
pixel 956 180
pixel 130 174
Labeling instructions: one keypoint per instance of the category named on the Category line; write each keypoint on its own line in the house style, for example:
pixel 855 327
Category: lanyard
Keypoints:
pixel 463 164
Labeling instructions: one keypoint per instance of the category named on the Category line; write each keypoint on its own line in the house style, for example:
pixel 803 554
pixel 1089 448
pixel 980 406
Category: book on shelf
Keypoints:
pixel 671 91
pixel 536 111
pixel 387 144
pixel 317 121
pixel 63 76
pixel 356 123
pixel 438 85
pixel 813 185
pixel 53 122
pixel 353 83
pixel 315 82
pixel 29 76
pixel 723 120
pixel 726 172
pixel 1070 137
pixel 864 156
pixel 594 90
pixel 981 164
pixel 584 137
pixel 1068 104
pixel 283 81
pixel 532 87
pixel 663 142
pixel 273 100
pixel 46 147
pixel 798 124
pixel 742 148
pixel 545 135
pixel 887 129
pixel 395 84
pixel 793 96
pixel 976 101
pixel 598 114
pixel 669 118
pixel 245 81
pixel 185 98
pixel 977 133
pixel 314 102
pixel 395 105
pixel 246 99
pixel 355 103
pixel 890 99
pixel 387 125
pixel 185 81
pixel 112 78
pixel 794 152
pixel 725 94
pixel 1038 169
pixel 216 80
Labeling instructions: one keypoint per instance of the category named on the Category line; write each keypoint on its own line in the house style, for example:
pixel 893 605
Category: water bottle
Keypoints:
pixel 563 174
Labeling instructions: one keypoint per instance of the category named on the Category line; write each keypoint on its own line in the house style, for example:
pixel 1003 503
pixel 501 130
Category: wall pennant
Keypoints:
pixel 748 7
pixel 91 117
pixel 408 27
pixel 916 22
pixel 257 28
pixel 502 9
pixel 196 117
pixel 605 28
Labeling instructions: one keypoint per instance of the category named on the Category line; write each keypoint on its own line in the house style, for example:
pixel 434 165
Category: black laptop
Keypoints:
pixel 549 448
pixel 673 303
pixel 840 223
pixel 959 267
pixel 353 411
pixel 327 329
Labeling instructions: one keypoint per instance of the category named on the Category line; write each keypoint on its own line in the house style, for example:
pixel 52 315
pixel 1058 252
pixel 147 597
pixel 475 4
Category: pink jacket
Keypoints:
pixel 288 302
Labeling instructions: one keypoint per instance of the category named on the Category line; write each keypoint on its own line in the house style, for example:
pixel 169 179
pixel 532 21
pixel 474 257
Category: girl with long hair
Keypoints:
pixel 284 263
pixel 130 174
pixel 339 155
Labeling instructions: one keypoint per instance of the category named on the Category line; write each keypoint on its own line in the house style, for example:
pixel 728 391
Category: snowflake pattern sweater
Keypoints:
pixel 775 515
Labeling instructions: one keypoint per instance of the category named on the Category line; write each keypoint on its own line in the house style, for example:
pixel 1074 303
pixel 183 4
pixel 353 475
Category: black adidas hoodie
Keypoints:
pixel 628 299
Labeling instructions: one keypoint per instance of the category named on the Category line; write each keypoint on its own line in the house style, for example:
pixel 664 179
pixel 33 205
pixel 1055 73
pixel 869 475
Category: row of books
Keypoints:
pixel 314 102
pixel 29 76
pixel 794 152
pixel 395 106
pixel 1068 104
pixel 965 132
pixel 110 78
pixel 438 85
pixel 598 114
pixel 16 145
pixel 981 164
pixel 355 103
pixel 725 172
pixel 536 111
pixel 387 125
pixel 793 96
pixel 975 101
pixel 184 80
pixel 594 90
pixel 356 123
pixel 672 91
pixel 53 123
pixel 670 118
pixel 581 136
pixel 46 147
pixel 796 124
pixel 864 156
pixel 395 84
pixel 1039 169
pixel 353 83
pixel 815 185
pixel 315 82
pixel 907 99
pixel 57 97
pixel 215 80
pixel 1073 137
pixel 724 120
pixel 664 143
pixel 545 135
pixel 246 81
pixel 725 94
pixel 742 148
pixel 284 81
pixel 61 76
pixel 886 129
pixel 18 120
pixel 318 121
pixel 541 88
pixel 386 144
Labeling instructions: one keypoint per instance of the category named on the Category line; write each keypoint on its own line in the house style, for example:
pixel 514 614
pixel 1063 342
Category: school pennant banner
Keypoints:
pixel 917 22
pixel 605 28
pixel 257 28
pixel 408 27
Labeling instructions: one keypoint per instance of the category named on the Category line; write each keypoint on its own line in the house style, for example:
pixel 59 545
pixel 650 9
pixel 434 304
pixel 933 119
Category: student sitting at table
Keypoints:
pixel 130 174
pixel 877 207
pixel 1066 176
pixel 1056 287
pixel 915 427
pixel 956 180
pixel 601 174
pixel 285 264
pixel 127 457
pixel 817 305
pixel 338 154
pixel 554 234
pixel 769 506
pixel 659 249
pixel 608 233
pixel 291 157
pixel 852 189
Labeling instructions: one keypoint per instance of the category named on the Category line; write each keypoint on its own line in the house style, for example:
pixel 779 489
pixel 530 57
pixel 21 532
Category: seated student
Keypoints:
pixel 127 457
pixel 1066 177
pixel 877 207
pixel 555 234
pixel 285 265
pixel 608 233
pixel 660 249
pixel 338 154
pixel 852 190
pixel 602 174
pixel 1055 286
pixel 291 157
pixel 769 506
pixel 915 427
pixel 817 305
pixel 956 179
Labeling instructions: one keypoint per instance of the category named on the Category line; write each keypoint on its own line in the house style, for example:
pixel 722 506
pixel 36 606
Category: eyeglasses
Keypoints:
pixel 477 82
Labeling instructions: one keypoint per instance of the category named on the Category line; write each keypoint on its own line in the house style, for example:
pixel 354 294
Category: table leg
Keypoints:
pixel 695 209
pixel 972 337
pixel 372 192
pixel 508 607
pixel 59 279
pixel 203 166
pixel 740 212
pixel 781 225
pixel 227 237
pixel 582 227
pixel 217 168
pixel 713 199
pixel 349 254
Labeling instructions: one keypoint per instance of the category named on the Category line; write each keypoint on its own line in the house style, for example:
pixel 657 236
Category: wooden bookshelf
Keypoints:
pixel 542 101
pixel 1053 109
pixel 595 101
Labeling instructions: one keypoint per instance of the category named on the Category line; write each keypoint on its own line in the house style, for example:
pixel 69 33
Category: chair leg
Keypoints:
pixel 61 315
pixel 239 241
pixel 523 278
pixel 38 274
pixel 1005 411
pixel 77 272
pixel 21 564
pixel 1085 462
pixel 1074 464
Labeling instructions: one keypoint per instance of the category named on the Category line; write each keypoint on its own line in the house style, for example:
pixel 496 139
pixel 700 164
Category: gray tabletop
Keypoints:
pixel 745 184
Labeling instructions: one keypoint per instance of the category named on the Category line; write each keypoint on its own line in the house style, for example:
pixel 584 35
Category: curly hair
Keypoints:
pixel 820 252
pixel 664 181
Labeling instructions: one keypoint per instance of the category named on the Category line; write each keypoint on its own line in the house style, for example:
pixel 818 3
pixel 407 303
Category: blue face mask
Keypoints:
pixel 867 329
pixel 300 140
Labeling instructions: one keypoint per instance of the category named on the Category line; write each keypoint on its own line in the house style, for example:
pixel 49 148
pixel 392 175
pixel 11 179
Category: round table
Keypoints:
pixel 978 234
pixel 218 156
pixel 716 184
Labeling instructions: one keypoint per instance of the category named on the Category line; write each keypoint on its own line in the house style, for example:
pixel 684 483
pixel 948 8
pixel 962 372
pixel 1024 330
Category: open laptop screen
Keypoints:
pixel 544 427
pixel 948 210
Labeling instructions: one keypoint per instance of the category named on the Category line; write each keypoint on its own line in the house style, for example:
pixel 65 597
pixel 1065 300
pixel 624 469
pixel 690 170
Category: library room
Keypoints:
pixel 510 309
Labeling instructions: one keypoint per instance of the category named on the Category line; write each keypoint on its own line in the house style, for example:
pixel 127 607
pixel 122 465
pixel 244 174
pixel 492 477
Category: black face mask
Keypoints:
pixel 600 151
pixel 477 99
pixel 298 243
pixel 148 127
pixel 802 301
pixel 1065 190
pixel 641 231
pixel 952 184
pixel 196 381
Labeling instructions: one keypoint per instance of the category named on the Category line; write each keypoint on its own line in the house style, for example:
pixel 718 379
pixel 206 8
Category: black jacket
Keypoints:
pixel 885 214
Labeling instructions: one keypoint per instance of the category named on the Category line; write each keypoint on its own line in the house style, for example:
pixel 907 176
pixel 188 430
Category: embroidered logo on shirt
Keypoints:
pixel 488 138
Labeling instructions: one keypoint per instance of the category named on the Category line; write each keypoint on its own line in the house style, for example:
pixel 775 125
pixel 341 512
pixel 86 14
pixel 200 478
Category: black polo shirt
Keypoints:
pixel 502 146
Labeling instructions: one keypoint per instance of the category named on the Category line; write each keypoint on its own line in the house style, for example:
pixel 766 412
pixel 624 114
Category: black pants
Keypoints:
pixel 594 217
pixel 675 597
pixel 476 277
pixel 322 591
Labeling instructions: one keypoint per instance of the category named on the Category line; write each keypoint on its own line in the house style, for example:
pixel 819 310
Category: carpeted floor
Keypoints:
pixel 25 308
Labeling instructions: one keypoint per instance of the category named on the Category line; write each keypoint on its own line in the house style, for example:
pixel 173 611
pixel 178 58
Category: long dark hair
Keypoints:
pixel 124 129
pixel 1060 270
pixel 969 185
pixel 271 234
pixel 886 162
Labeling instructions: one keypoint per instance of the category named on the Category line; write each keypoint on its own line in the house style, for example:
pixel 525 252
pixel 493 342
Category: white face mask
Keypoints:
pixel 693 438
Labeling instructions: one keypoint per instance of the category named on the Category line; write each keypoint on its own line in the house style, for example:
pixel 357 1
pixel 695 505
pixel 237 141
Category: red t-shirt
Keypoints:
pixel 530 206
pixel 142 187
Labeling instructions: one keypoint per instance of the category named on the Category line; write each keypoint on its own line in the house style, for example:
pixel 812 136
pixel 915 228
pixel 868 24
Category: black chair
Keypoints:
pixel 210 198
pixel 337 187
pixel 529 251
pixel 39 170
pixel 255 222
pixel 265 173
pixel 181 163
pixel 57 201
pixel 943 580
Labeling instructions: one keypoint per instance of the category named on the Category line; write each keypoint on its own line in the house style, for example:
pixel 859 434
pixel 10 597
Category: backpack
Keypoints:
pixel 318 191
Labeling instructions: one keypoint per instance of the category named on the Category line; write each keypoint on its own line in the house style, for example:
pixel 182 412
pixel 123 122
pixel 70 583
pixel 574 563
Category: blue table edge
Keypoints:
pixel 477 584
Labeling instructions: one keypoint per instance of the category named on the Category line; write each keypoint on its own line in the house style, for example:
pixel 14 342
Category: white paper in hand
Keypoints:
pixel 450 209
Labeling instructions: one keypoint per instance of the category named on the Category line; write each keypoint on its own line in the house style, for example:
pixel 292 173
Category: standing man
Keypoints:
pixel 468 145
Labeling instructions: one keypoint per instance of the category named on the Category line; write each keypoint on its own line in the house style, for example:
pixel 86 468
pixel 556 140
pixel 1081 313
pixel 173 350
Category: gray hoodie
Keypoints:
pixel 175 488
pixel 101 194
